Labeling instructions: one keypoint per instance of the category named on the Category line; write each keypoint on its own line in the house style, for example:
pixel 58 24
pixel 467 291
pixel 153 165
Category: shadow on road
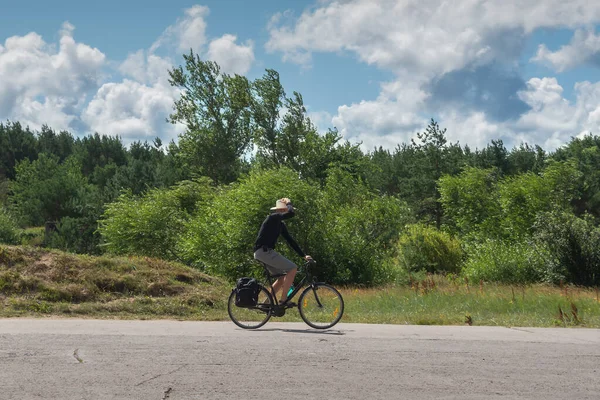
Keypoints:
pixel 324 332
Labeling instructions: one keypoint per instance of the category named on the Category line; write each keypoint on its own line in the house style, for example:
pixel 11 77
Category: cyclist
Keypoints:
pixel 264 248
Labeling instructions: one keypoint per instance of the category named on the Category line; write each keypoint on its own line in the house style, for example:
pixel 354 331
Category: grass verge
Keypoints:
pixel 38 282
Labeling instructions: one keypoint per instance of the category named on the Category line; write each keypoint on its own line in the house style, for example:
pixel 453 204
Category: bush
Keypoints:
pixel 574 244
pixel 221 238
pixel 347 229
pixel 424 248
pixel 75 235
pixel 153 224
pixel 508 262
pixel 358 239
pixel 8 228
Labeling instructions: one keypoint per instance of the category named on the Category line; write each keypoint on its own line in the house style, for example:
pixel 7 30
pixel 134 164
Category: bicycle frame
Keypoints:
pixel 297 289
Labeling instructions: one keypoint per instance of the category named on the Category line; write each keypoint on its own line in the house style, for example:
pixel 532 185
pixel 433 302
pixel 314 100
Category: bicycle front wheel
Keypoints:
pixel 321 306
pixel 251 317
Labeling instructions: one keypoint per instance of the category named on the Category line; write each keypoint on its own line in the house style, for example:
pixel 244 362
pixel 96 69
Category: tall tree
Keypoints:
pixel 16 144
pixel 585 152
pixel 215 108
pixel 60 145
pixel 431 165
pixel 268 98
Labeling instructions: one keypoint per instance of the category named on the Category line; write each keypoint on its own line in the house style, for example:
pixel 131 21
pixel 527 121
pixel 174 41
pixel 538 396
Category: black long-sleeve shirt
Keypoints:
pixel 270 229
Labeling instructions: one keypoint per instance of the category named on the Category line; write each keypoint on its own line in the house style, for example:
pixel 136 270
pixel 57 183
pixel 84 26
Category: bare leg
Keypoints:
pixel 277 285
pixel 287 283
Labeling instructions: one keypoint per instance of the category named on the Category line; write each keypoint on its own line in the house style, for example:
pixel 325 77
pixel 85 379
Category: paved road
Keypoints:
pixel 89 359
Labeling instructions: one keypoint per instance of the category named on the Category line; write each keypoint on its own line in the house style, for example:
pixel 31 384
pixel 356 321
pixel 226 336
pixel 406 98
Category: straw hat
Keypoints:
pixel 279 205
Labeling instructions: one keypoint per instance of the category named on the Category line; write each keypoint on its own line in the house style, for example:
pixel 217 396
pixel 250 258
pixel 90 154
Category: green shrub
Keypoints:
pixel 424 248
pixel 153 224
pixel 8 228
pixel 357 241
pixel 348 230
pixel 75 235
pixel 508 262
pixel 574 243
pixel 33 236
pixel 221 238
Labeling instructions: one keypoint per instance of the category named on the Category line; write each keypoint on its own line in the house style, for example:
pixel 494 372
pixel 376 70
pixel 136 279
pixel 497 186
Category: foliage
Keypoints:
pixel 221 238
pixel 357 240
pixel 44 189
pixel 508 262
pixel 574 243
pixel 16 144
pixel 478 204
pixel 470 202
pixel 215 108
pixel 79 233
pixel 153 224
pixel 8 227
pixel 425 248
pixel 253 143
pixel 584 153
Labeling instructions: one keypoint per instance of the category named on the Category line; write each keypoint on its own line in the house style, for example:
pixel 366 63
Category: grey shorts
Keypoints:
pixel 276 263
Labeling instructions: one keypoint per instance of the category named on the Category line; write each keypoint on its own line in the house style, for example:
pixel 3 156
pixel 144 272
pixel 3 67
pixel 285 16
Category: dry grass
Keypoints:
pixel 34 281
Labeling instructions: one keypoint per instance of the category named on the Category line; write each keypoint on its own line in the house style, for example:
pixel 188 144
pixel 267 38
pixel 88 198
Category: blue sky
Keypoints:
pixel 378 70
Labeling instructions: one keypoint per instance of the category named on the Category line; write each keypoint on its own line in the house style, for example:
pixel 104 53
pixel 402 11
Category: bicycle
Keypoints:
pixel 321 306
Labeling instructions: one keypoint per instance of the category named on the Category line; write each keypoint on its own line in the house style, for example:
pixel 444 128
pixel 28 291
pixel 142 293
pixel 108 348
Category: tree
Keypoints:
pixel 98 151
pixel 60 145
pixel 215 108
pixel 431 165
pixel 585 153
pixel 526 159
pixel 44 189
pixel 266 106
pixel 470 202
pixel 16 144
pixel 494 155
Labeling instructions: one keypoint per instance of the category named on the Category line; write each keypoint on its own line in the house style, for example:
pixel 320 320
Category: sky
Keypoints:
pixel 523 71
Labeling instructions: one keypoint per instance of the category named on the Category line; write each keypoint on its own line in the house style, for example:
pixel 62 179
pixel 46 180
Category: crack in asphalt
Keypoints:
pixel 159 375
pixel 76 355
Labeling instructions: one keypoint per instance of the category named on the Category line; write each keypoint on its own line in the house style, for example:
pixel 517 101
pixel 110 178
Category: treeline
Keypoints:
pixel 515 215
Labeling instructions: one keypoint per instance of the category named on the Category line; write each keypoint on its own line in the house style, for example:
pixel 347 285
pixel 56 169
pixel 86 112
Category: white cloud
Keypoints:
pixel 137 108
pixel 51 84
pixel 584 45
pixel 231 57
pixel 470 128
pixel 427 37
pixel 395 113
pixel 322 120
pixel 551 121
pixel 188 32
pixel 146 67
pixel 132 110
pixel 41 84
pixel 426 40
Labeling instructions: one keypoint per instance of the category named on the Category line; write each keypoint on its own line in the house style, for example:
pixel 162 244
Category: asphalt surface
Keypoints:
pixel 91 359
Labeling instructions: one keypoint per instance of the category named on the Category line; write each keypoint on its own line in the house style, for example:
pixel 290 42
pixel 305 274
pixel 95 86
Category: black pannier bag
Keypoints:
pixel 246 292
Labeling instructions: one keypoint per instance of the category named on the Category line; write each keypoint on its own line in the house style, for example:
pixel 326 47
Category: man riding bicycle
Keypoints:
pixel 264 248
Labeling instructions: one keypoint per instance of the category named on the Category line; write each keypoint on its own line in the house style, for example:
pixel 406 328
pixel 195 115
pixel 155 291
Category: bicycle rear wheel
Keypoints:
pixel 321 306
pixel 251 317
